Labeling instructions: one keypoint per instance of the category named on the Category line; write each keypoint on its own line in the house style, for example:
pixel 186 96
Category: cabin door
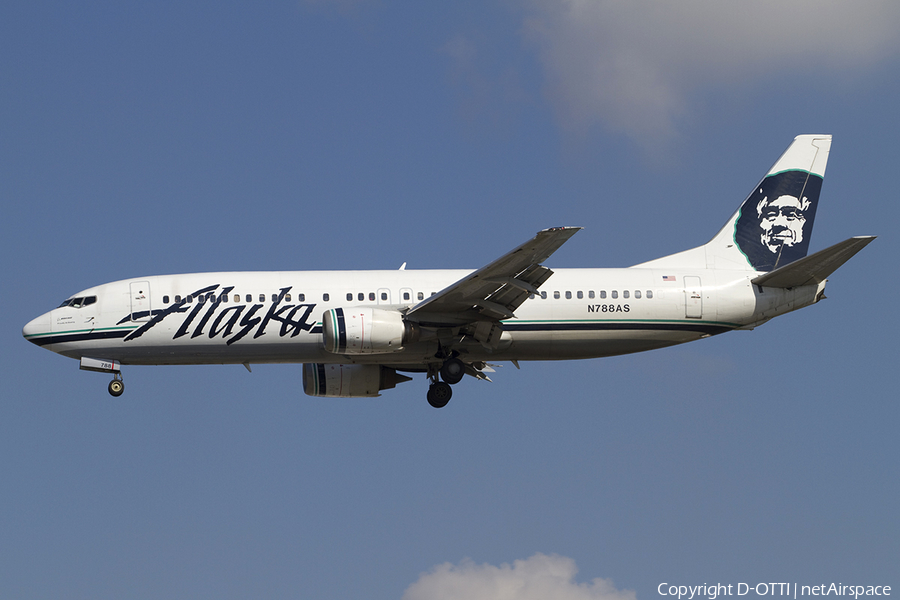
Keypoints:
pixel 693 298
pixel 140 301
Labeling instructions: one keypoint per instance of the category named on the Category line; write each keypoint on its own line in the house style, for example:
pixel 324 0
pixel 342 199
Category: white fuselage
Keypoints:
pixel 355 330
pixel 269 317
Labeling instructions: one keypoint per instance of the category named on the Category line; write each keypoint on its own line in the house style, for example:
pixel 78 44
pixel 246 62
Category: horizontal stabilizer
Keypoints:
pixel 815 268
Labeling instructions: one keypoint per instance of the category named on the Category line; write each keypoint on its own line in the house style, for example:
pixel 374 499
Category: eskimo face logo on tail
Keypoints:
pixel 776 221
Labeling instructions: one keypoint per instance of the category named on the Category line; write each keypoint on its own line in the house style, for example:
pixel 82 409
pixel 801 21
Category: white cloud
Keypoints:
pixel 536 578
pixel 631 65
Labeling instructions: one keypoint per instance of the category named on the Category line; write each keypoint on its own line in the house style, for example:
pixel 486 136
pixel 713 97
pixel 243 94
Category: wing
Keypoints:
pixel 495 291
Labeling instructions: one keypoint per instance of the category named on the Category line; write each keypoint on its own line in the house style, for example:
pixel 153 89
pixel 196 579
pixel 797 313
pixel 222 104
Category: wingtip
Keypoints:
pixel 551 229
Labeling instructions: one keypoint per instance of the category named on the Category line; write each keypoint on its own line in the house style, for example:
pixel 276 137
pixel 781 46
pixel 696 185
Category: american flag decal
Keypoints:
pixel 668 278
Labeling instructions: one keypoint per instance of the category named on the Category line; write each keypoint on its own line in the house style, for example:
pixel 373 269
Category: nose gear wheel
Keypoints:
pixel 116 386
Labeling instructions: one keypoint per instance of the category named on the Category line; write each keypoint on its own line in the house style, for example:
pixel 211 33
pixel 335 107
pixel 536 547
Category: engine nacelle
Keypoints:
pixel 366 331
pixel 349 381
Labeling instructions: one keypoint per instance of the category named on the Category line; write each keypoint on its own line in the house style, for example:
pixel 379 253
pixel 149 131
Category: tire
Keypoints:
pixel 116 388
pixel 453 370
pixel 439 394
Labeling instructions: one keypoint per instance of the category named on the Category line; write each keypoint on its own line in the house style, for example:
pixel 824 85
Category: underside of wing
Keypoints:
pixel 495 291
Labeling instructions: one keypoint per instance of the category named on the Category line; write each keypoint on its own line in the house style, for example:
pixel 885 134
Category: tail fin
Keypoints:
pixel 774 224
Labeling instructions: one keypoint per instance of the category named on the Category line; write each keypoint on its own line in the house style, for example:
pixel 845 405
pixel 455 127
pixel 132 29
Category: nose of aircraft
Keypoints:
pixel 36 327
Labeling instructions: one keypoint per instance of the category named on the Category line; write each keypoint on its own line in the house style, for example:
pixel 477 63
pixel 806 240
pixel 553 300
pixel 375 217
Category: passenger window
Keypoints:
pixel 274 297
pixel 262 297
pixel 637 294
pixel 580 295
pixel 543 295
pixel 188 299
pixel 531 296
pixel 420 296
pixel 177 299
pixel 224 297
pixel 325 297
pixel 349 296
pixel 405 296
pixel 360 296
pixel 165 299
pixel 248 298
pixel 591 294
pixel 301 297
pixel 625 294
pixel 237 297
pixel 568 295
pixel 287 297
pixel 383 296
pixel 200 299
pixel 372 296
pixel 603 295
pixel 649 293
pixel 615 294
pixel 556 295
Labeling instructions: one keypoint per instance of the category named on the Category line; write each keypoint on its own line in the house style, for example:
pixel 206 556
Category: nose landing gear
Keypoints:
pixel 116 386
pixel 104 365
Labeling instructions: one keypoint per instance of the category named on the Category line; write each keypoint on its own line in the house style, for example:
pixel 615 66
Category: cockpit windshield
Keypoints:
pixel 78 302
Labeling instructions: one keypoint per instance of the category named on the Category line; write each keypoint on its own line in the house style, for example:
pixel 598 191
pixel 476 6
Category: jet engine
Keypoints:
pixel 366 331
pixel 349 381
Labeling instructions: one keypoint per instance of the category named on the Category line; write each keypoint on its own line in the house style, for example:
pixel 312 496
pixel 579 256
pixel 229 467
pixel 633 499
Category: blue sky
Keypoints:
pixel 188 136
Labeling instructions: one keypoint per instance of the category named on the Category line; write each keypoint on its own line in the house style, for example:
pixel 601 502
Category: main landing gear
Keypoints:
pixel 451 371
pixel 439 394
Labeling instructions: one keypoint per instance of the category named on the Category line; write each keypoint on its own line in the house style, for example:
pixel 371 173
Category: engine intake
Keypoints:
pixel 366 331
pixel 349 381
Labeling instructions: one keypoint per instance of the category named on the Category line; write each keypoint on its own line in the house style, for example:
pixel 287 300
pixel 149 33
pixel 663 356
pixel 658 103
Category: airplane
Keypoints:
pixel 357 332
